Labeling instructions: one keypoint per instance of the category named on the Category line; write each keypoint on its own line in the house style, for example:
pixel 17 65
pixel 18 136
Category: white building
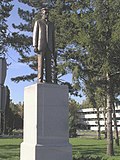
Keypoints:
pixel 88 117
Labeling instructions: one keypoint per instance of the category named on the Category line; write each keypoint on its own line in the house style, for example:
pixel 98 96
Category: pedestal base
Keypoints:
pixel 39 152
pixel 46 123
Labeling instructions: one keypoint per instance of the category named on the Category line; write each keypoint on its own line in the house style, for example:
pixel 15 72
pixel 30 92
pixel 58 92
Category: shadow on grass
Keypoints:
pixel 9 147
pixel 10 152
pixel 89 149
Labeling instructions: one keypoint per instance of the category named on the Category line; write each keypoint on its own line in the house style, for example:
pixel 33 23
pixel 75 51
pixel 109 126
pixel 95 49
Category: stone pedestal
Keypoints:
pixel 46 123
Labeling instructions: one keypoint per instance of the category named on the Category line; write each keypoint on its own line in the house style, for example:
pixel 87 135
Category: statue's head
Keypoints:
pixel 45 13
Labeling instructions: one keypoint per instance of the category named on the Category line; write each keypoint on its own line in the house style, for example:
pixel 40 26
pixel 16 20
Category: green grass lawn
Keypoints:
pixel 88 146
pixel 10 148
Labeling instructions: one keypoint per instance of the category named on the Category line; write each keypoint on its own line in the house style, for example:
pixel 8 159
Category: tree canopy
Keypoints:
pixel 5 8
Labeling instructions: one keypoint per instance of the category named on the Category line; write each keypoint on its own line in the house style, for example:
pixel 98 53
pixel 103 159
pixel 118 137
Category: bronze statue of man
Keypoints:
pixel 44 46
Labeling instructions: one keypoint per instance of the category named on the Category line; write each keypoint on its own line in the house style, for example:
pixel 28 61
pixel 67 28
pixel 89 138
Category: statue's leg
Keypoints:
pixel 48 74
pixel 40 67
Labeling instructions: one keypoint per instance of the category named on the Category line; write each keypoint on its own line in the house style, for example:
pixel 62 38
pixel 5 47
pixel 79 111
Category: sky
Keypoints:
pixel 17 69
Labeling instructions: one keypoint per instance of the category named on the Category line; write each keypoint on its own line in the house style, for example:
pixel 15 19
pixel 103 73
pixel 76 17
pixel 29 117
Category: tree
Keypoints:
pixel 5 114
pixel 5 8
pixel 73 118
pixel 95 51
pixel 115 126
pixel 86 103
pixel 17 116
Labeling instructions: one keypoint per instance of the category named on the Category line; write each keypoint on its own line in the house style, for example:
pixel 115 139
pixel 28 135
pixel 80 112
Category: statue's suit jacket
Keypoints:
pixel 43 36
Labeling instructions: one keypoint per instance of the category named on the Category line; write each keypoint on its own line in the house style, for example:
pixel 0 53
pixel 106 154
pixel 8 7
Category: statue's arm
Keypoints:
pixel 35 36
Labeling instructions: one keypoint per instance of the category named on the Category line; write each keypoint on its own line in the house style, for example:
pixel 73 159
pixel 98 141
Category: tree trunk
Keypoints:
pixel 98 122
pixel 105 118
pixel 0 123
pixel 4 123
pixel 110 150
pixel 105 124
pixel 115 126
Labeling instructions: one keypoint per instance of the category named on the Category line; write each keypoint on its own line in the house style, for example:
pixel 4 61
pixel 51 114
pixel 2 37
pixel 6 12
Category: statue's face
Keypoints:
pixel 45 14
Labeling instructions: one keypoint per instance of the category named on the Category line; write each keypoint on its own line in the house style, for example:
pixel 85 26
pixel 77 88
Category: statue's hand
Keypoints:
pixel 35 50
